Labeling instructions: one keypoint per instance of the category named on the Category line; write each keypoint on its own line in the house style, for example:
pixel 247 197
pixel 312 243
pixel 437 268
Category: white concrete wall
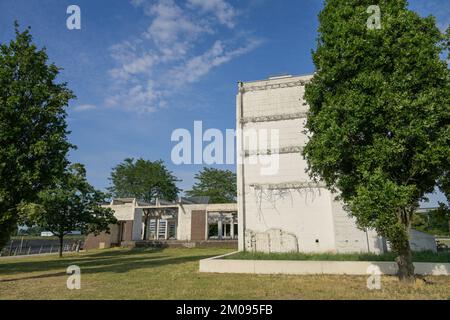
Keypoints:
pixel 306 214
pixel 289 131
pixel 351 239
pixel 241 200
pixel 288 220
pixel 220 265
pixel 184 223
pixel 123 212
pixel 421 241
pixel 128 212
pixel 269 102
pixel 271 220
pixel 217 207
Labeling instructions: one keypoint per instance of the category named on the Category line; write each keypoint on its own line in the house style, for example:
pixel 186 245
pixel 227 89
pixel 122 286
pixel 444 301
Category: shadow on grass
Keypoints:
pixel 40 276
pixel 113 261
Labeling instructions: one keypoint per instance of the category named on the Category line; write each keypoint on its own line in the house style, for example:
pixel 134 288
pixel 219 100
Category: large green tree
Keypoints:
pixel 379 115
pixel 33 144
pixel 145 180
pixel 70 204
pixel 218 185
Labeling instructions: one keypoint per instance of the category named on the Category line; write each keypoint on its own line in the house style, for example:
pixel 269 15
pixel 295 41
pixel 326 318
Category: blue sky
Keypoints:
pixel 143 68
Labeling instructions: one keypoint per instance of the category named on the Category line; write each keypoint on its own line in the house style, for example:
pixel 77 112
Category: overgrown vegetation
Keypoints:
pixel 424 256
pixel 436 222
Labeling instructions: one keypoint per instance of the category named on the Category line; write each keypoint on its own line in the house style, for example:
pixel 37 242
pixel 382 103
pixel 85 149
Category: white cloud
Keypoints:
pixel 171 52
pixel 224 12
pixel 139 98
pixel 199 66
pixel 171 23
pixel 135 66
pixel 443 26
pixel 84 107
pixel 137 3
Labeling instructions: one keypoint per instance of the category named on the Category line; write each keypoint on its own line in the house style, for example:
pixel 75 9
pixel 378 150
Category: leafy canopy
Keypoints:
pixel 143 179
pixel 219 185
pixel 379 112
pixel 71 204
pixel 33 134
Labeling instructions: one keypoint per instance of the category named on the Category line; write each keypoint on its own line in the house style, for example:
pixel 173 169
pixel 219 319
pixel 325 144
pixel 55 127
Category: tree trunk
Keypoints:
pixel 405 264
pixel 61 242
pixel 144 237
pixel 449 224
pixel 404 258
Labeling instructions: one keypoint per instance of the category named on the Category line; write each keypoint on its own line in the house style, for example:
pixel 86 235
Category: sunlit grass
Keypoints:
pixel 173 274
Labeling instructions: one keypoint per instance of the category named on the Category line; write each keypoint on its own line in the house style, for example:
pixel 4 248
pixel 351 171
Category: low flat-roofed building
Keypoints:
pixel 188 220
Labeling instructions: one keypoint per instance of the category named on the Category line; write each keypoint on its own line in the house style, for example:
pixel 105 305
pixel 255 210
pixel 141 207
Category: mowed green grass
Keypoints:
pixel 173 274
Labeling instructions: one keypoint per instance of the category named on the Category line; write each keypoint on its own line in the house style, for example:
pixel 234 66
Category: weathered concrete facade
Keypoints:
pixel 282 209
pixel 207 221
pixel 183 220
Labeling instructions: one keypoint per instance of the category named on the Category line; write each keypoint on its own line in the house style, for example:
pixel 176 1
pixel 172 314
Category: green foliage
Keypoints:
pixel 436 222
pixel 444 186
pixel 33 144
pixel 71 204
pixel 422 256
pixel 379 112
pixel 143 179
pixel 31 231
pixel 219 185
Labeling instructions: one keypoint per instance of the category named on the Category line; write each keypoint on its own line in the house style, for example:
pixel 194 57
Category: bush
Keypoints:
pixel 423 256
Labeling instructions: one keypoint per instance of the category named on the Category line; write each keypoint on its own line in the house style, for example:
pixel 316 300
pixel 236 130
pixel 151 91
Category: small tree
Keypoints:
pixel 219 185
pixel 145 180
pixel 33 135
pixel 71 204
pixel 434 222
pixel 379 115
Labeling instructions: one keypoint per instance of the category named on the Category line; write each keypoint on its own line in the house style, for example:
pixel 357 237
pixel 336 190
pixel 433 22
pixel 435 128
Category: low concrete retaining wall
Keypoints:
pixel 220 265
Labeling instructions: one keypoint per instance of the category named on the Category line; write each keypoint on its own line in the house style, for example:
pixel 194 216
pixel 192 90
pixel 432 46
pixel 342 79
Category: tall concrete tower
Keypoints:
pixel 280 208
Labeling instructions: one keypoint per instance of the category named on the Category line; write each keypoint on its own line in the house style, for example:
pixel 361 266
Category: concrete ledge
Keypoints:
pixel 220 265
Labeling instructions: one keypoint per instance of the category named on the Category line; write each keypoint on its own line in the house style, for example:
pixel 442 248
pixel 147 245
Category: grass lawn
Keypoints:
pixel 426 256
pixel 173 274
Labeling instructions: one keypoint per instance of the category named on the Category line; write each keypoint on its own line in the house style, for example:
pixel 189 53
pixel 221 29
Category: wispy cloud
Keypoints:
pixel 173 51
pixel 198 66
pixel 171 23
pixel 84 107
pixel 224 12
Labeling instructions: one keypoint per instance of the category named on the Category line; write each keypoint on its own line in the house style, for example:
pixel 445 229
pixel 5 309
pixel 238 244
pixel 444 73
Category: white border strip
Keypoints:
pixel 310 267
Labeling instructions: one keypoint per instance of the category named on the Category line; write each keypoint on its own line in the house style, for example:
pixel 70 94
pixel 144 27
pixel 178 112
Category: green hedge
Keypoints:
pixel 424 256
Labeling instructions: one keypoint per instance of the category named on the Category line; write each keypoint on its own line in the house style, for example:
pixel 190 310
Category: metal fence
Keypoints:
pixel 17 248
